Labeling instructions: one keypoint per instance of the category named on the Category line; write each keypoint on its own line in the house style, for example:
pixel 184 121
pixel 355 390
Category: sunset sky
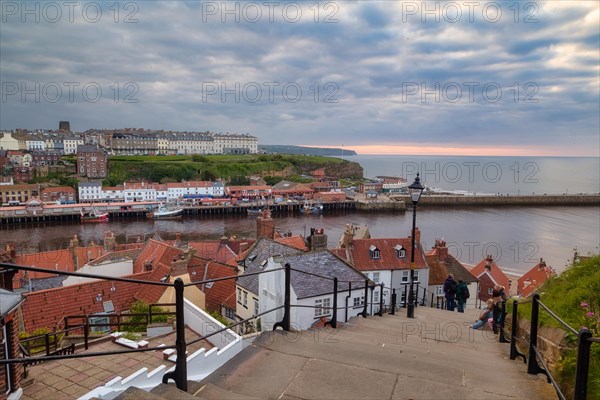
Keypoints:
pixel 378 77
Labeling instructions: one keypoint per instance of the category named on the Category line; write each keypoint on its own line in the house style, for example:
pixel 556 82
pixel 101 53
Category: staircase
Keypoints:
pixel 434 356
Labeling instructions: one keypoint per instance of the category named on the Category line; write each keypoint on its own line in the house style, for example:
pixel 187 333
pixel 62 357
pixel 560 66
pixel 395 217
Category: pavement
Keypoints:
pixel 72 378
pixel 433 356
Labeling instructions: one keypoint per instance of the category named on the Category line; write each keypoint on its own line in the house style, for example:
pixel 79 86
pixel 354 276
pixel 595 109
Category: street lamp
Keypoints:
pixel 415 190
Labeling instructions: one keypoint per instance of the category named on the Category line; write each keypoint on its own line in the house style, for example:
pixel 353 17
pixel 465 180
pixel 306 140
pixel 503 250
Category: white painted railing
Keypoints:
pixel 200 364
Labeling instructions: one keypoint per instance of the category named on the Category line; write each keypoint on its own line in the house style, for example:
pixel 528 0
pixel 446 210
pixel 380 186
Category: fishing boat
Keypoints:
pixel 164 213
pixel 309 208
pixel 93 215
pixel 254 211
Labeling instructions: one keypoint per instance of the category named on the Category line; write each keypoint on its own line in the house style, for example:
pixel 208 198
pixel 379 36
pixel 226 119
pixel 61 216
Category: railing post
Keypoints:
pixel 393 302
pixel 47 343
pixel 150 314
pixel 285 322
pixel 432 300
pixel 417 296
pixel 66 326
pixel 424 297
pixel 583 364
pixel 381 305
pixel 533 366
pixel 514 333
pixel 86 333
pixel 364 312
pixel 179 375
pixel 333 320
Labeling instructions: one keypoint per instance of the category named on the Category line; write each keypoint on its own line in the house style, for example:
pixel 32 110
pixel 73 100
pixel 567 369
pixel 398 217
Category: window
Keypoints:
pixel 322 307
pixel 439 291
pixel 246 299
pixel 239 296
pixel 358 301
pixel 376 296
pixel 416 276
pixel 376 277
pixel 490 291
pixel 256 311
pixel 405 275
pixel 400 251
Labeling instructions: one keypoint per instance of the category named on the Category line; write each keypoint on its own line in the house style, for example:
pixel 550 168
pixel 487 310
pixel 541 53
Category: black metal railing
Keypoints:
pixel 179 375
pixel 534 358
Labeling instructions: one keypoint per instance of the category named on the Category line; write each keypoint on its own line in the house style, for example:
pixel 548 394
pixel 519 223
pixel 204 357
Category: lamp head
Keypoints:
pixel 415 190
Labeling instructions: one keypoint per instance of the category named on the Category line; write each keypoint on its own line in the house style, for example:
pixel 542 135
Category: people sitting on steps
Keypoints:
pixel 486 315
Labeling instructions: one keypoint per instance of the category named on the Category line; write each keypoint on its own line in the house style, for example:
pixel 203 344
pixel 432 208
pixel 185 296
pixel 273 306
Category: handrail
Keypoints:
pixel 83 275
pixel 584 343
pixel 557 318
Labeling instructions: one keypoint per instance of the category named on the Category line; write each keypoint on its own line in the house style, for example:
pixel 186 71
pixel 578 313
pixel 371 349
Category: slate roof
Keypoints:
pixel 322 263
pixel 260 252
pixel 8 301
pixel 47 283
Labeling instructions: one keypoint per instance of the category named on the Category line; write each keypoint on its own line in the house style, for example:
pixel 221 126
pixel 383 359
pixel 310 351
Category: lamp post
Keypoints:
pixel 415 190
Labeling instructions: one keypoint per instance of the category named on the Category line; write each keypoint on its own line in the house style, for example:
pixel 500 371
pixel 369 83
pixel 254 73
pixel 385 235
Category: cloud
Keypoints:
pixel 314 73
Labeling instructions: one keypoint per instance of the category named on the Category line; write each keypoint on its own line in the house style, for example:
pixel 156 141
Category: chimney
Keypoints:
pixel 223 239
pixel 347 236
pixel 109 241
pixel 178 239
pixel 417 235
pixel 488 262
pixel 542 263
pixel 317 240
pixel 11 251
pixel 265 226
pixel 179 266
pixel 442 250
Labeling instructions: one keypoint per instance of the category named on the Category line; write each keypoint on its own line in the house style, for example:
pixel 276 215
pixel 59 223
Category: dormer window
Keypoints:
pixel 400 251
pixel 374 252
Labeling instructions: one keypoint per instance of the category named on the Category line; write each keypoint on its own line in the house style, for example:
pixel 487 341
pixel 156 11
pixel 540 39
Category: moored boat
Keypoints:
pixel 164 213
pixel 93 215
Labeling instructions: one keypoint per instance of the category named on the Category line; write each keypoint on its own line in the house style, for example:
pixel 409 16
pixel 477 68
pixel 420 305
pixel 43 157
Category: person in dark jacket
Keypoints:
pixel 461 295
pixel 450 292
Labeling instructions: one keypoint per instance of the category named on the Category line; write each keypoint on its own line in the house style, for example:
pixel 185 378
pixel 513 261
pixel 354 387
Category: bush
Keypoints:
pixel 139 307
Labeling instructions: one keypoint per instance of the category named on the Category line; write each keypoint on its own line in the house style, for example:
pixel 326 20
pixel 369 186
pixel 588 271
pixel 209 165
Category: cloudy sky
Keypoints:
pixel 401 77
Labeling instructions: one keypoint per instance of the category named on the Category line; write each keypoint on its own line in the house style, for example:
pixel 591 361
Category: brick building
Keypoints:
pixel 18 193
pixel 63 194
pixel 91 162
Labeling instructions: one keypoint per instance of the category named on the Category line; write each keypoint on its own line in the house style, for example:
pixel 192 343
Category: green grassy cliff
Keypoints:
pixel 234 169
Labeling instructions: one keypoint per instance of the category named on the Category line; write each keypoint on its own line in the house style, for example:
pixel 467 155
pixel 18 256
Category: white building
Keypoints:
pixel 387 262
pixel 70 144
pixel 8 142
pixel 89 191
pixel 194 189
pixel 235 144
pixel 35 142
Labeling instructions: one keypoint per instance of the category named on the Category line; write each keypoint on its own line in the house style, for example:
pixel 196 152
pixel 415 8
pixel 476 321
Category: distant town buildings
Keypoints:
pixel 91 162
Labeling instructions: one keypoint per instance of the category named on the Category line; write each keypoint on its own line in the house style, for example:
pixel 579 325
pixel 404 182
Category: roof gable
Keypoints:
pixel 363 252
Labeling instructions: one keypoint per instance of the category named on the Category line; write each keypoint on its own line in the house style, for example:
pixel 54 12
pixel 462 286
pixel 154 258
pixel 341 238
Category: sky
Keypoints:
pixel 379 77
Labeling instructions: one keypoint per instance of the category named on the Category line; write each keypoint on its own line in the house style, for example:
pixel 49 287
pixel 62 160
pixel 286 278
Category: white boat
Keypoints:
pixel 163 213
pixel 309 208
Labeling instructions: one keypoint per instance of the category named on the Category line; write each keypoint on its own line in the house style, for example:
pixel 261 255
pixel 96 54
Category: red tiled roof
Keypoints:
pixel 388 259
pixel 296 242
pixel 213 250
pixel 220 293
pixel 87 254
pixel 494 272
pixel 151 293
pixel 45 308
pixel 56 260
pixel 534 278
pixel 155 252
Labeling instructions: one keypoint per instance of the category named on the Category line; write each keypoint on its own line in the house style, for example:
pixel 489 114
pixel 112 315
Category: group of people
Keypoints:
pixel 457 293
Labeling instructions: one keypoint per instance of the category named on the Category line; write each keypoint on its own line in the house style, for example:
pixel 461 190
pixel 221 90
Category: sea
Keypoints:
pixel 517 237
